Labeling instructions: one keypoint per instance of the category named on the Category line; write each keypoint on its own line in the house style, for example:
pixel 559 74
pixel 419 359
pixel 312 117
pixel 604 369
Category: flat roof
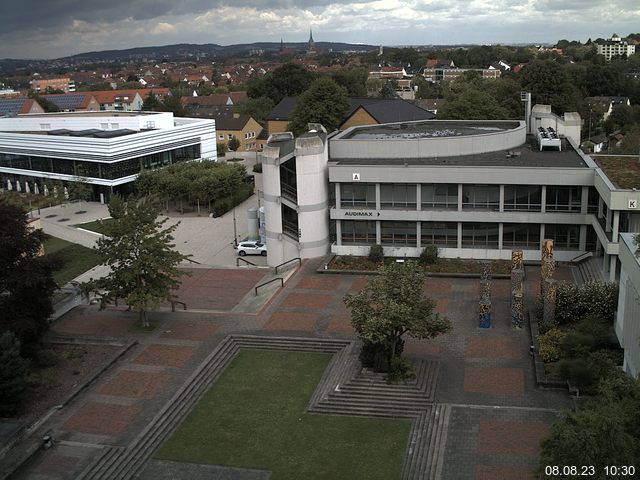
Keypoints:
pixel 429 129
pixel 622 170
pixel 101 113
pixel 526 155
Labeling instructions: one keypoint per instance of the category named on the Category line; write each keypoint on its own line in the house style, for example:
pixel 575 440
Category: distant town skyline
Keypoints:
pixel 58 28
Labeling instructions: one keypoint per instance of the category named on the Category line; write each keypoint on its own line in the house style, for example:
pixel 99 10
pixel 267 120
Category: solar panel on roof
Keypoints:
pixel 66 102
pixel 11 106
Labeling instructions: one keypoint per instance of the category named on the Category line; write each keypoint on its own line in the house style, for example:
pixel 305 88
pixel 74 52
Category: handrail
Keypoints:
pixel 173 305
pixel 245 261
pixel 267 283
pixel 289 261
pixel 581 257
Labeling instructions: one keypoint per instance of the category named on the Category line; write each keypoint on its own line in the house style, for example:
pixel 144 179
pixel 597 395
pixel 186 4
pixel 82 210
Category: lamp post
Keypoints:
pixel 235 231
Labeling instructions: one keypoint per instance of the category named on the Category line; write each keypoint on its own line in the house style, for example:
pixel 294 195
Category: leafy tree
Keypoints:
pixel 13 374
pixel 47 105
pixel 221 148
pixel 172 103
pixel 550 84
pixel 472 104
pixel 79 189
pixel 152 104
pixel 233 144
pixel 324 102
pixel 391 305
pixel 257 108
pixel 26 281
pixel 354 79
pixel 143 261
pixel 389 89
pixel 288 80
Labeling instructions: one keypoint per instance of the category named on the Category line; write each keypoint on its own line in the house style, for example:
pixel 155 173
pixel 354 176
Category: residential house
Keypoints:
pixel 229 124
pixel 229 99
pixel 10 107
pixel 362 111
pixel 615 47
pixel 607 103
pixel 47 84
pixel 127 100
pixel 74 102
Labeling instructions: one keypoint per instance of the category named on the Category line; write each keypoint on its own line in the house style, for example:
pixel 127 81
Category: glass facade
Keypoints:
pixel 289 180
pixel 402 234
pixel 361 195
pixel 563 199
pixel 106 170
pixel 480 197
pixel 442 234
pixel 522 198
pixel 400 196
pixel 521 235
pixel 358 232
pixel 565 237
pixel 439 196
pixel 480 235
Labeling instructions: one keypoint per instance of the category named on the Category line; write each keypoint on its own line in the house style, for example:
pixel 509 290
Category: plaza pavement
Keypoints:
pixel 486 376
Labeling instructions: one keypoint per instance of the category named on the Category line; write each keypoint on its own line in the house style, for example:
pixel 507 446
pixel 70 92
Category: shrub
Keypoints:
pixel 566 302
pixel 376 254
pixel 577 371
pixel 257 168
pixel 429 255
pixel 400 370
pixel 549 345
pixel 598 298
pixel 13 374
pixel 221 148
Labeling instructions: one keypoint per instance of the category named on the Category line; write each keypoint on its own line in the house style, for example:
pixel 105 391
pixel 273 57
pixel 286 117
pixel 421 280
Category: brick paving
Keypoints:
pixel 498 416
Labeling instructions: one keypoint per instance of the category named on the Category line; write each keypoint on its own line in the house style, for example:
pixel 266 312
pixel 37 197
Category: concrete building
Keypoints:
pixel 627 324
pixel 476 189
pixel 105 149
pixel 45 85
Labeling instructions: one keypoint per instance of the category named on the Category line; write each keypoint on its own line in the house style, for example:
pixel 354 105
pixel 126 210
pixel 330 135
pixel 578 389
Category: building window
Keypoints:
pixel 480 197
pixel 115 126
pixel 565 237
pixel 401 234
pixel 442 234
pixel 592 203
pixel 522 235
pixel 356 232
pixel 522 198
pixel 400 196
pixel 230 136
pixel 362 195
pixel 440 196
pixel 480 235
pixel 45 126
pixel 290 222
pixel 221 137
pixel 563 199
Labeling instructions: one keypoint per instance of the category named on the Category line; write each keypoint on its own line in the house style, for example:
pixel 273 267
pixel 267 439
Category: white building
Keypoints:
pixel 105 149
pixel 615 47
pixel 627 323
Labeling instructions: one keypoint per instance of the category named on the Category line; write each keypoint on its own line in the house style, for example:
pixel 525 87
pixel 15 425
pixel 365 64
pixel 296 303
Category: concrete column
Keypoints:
pixel 541 233
pixel 583 238
pixel 600 207
pixel 459 197
pixel 616 226
pixel 418 197
pixel 612 267
pixel 500 232
pixel 338 232
pixel 338 196
pixel 459 234
pixel 378 232
pixel 378 197
pixel 584 205
pixel 418 231
pixel 501 206
pixel 543 202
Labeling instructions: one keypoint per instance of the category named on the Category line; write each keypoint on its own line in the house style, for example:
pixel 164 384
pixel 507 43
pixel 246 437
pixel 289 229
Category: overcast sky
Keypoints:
pixel 55 28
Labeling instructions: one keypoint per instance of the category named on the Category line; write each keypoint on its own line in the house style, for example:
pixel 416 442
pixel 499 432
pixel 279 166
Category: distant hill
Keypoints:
pixel 189 50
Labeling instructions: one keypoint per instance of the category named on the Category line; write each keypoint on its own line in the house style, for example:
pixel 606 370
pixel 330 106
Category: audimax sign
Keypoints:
pixel 361 213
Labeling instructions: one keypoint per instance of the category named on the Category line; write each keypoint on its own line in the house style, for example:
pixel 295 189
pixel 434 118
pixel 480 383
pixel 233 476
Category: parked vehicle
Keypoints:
pixel 252 248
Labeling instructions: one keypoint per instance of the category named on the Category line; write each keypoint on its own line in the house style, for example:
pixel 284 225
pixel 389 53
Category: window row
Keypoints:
pixel 526 198
pixel 80 168
pixel 474 235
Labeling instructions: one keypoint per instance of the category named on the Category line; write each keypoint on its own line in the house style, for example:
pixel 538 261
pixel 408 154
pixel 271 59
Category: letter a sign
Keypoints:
pixel 356 177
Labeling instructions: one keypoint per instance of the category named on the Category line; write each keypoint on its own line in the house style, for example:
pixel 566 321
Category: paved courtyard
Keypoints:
pixel 498 416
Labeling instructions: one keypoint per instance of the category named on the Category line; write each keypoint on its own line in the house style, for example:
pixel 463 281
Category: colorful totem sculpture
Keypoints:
pixel 548 264
pixel 517 289
pixel 484 305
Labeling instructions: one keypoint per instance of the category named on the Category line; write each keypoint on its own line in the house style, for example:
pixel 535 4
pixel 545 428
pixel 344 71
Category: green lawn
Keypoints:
pixel 96 226
pixel 77 259
pixel 253 418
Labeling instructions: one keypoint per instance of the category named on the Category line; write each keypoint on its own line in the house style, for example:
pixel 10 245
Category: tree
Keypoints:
pixel 80 189
pixel 324 102
pixel 354 79
pixel 26 281
pixel 13 373
pixel 472 104
pixel 288 80
pixel 143 261
pixel 257 108
pixel 233 144
pixel 151 103
pixel 391 305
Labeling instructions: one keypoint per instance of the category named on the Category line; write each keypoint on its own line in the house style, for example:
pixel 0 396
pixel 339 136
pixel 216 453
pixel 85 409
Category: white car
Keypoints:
pixel 252 248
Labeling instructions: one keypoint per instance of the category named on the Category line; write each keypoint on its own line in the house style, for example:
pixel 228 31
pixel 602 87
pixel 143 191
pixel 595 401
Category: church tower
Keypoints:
pixel 311 47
